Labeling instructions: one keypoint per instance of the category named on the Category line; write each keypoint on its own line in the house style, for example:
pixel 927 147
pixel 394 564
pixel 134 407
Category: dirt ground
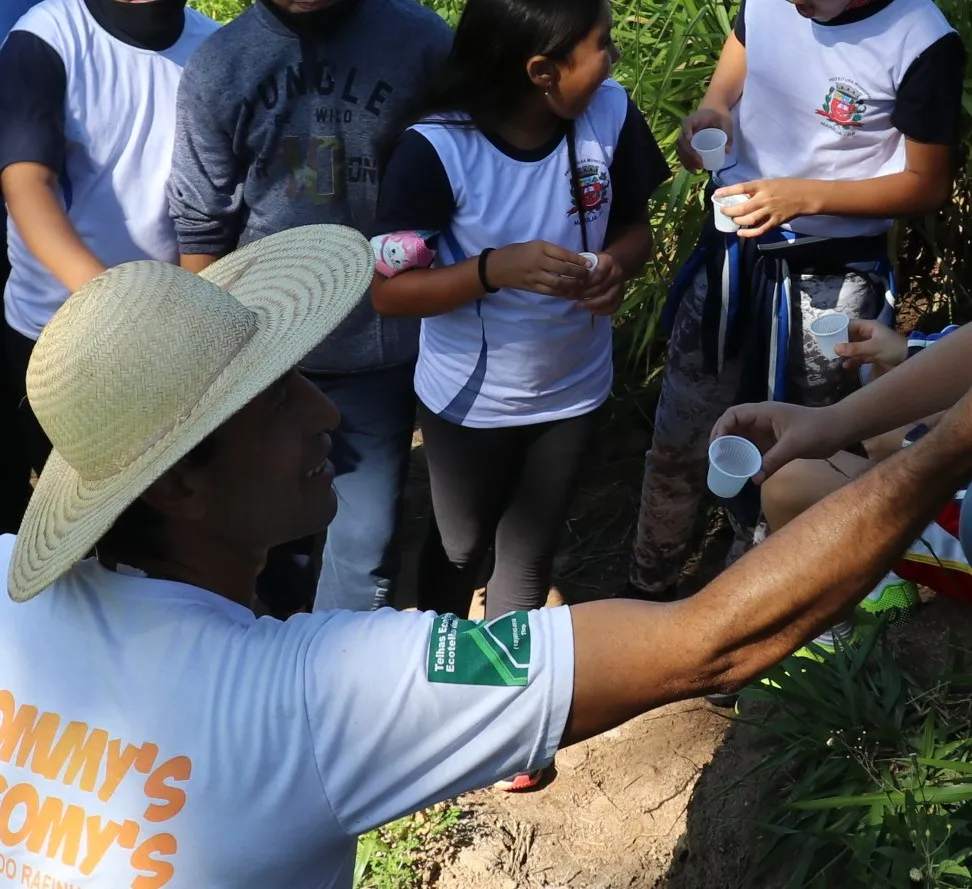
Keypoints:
pixel 654 803
pixel 616 813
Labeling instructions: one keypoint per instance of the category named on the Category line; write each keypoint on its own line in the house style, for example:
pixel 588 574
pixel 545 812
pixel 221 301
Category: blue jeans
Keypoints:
pixel 362 555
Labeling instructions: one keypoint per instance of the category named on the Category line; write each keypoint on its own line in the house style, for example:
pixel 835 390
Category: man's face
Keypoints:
pixel 269 481
pixel 821 10
pixel 298 6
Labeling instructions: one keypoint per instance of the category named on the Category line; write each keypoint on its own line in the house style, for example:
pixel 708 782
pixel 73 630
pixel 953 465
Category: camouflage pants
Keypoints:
pixel 692 400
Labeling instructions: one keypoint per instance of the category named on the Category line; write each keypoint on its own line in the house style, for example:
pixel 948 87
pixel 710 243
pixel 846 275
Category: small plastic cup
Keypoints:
pixel 592 259
pixel 722 222
pixel 710 145
pixel 829 330
pixel 733 461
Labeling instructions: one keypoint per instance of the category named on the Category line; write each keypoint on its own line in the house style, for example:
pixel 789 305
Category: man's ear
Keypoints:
pixel 542 73
pixel 178 493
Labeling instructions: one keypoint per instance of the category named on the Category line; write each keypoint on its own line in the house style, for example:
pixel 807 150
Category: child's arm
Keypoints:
pixel 626 253
pixel 637 169
pixel 724 91
pixel 205 189
pixel 32 149
pixel 922 188
pixel 33 200
pixel 537 266
pixel 415 203
pixel 934 380
pixel 927 110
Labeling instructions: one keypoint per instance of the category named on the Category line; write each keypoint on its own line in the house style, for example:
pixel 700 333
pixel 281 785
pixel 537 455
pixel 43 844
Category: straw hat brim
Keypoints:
pixel 300 284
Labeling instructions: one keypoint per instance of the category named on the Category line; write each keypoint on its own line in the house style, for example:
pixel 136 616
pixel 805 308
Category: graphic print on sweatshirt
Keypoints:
pixel 318 165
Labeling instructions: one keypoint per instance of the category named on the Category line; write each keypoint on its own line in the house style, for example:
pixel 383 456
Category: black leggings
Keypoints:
pixel 15 467
pixel 509 488
pixel 16 352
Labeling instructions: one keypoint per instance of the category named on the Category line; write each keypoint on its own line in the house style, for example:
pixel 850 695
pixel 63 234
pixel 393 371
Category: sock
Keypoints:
pixel 842 631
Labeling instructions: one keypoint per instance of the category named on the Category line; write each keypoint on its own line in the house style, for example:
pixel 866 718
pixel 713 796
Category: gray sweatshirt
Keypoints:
pixel 277 128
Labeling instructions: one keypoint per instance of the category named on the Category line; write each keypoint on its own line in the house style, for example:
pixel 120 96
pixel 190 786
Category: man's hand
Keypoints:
pixel 703 119
pixel 604 291
pixel 771 203
pixel 632 656
pixel 783 432
pixel 873 343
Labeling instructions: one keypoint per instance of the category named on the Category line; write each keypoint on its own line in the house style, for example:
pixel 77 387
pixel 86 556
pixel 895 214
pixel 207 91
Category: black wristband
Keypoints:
pixel 482 271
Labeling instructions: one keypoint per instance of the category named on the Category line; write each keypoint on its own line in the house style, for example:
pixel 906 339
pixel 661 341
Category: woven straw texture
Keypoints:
pixel 142 363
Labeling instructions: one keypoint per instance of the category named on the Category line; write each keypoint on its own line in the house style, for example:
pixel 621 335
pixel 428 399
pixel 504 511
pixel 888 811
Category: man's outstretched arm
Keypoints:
pixel 633 656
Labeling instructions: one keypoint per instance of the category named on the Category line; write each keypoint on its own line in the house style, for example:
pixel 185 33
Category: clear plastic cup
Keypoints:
pixel 592 259
pixel 829 330
pixel 733 461
pixel 710 145
pixel 722 222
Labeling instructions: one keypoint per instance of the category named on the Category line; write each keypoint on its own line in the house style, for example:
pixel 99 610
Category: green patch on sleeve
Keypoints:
pixel 475 652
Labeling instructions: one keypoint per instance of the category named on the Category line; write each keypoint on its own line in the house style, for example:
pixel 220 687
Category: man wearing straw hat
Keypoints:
pixel 155 733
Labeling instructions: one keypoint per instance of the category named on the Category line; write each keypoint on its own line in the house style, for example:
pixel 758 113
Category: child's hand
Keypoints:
pixel 783 432
pixel 701 120
pixel 538 267
pixel 771 203
pixel 873 343
pixel 603 292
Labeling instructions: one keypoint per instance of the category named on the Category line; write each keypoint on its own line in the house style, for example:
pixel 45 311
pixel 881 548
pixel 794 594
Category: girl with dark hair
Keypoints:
pixel 524 155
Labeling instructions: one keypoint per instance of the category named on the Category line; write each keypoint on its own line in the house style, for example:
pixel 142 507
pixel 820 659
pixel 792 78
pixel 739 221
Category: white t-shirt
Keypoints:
pixel 819 99
pixel 514 357
pixel 155 734
pixel 119 109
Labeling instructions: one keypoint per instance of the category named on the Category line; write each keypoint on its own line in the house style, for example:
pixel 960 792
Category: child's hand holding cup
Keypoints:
pixel 705 140
pixel 733 461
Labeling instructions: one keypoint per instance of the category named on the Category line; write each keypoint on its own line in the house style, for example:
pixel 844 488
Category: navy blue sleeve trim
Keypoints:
pixel 638 168
pixel 415 193
pixel 739 27
pixel 928 106
pixel 33 84
pixel 917 341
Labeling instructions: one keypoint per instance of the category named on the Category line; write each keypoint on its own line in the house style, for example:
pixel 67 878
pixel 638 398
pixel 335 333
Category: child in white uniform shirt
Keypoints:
pixel 88 102
pixel 842 116
pixel 524 155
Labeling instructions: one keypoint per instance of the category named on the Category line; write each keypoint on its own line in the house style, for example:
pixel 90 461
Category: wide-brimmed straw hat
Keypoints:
pixel 146 360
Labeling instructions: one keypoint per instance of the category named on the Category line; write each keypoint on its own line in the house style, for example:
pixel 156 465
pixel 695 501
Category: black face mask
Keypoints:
pixel 320 22
pixel 155 25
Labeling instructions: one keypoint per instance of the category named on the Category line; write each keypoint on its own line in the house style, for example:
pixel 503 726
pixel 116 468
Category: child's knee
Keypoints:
pixel 789 492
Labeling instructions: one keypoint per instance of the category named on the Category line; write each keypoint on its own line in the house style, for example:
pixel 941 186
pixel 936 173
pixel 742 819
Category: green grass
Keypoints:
pixel 867 775
pixel 397 856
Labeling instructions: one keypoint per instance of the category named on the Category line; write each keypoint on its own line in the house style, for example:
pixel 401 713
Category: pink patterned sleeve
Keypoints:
pixel 402 251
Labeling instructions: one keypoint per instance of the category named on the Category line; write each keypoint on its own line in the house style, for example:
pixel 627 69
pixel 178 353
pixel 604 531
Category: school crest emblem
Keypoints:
pixel 844 106
pixel 595 189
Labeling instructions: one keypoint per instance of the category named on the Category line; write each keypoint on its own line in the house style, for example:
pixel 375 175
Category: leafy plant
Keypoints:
pixel 392 856
pixel 668 53
pixel 868 777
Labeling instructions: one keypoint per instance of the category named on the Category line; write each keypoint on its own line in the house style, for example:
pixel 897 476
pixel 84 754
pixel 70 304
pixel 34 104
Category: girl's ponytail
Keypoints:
pixel 576 189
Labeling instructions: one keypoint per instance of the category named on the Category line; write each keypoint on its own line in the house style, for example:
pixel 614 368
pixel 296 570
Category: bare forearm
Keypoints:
pixel 631 247
pixel 30 191
pixel 196 262
pixel 826 559
pixel 932 381
pixel 886 197
pixel 422 293
pixel 632 656
pixel 726 87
